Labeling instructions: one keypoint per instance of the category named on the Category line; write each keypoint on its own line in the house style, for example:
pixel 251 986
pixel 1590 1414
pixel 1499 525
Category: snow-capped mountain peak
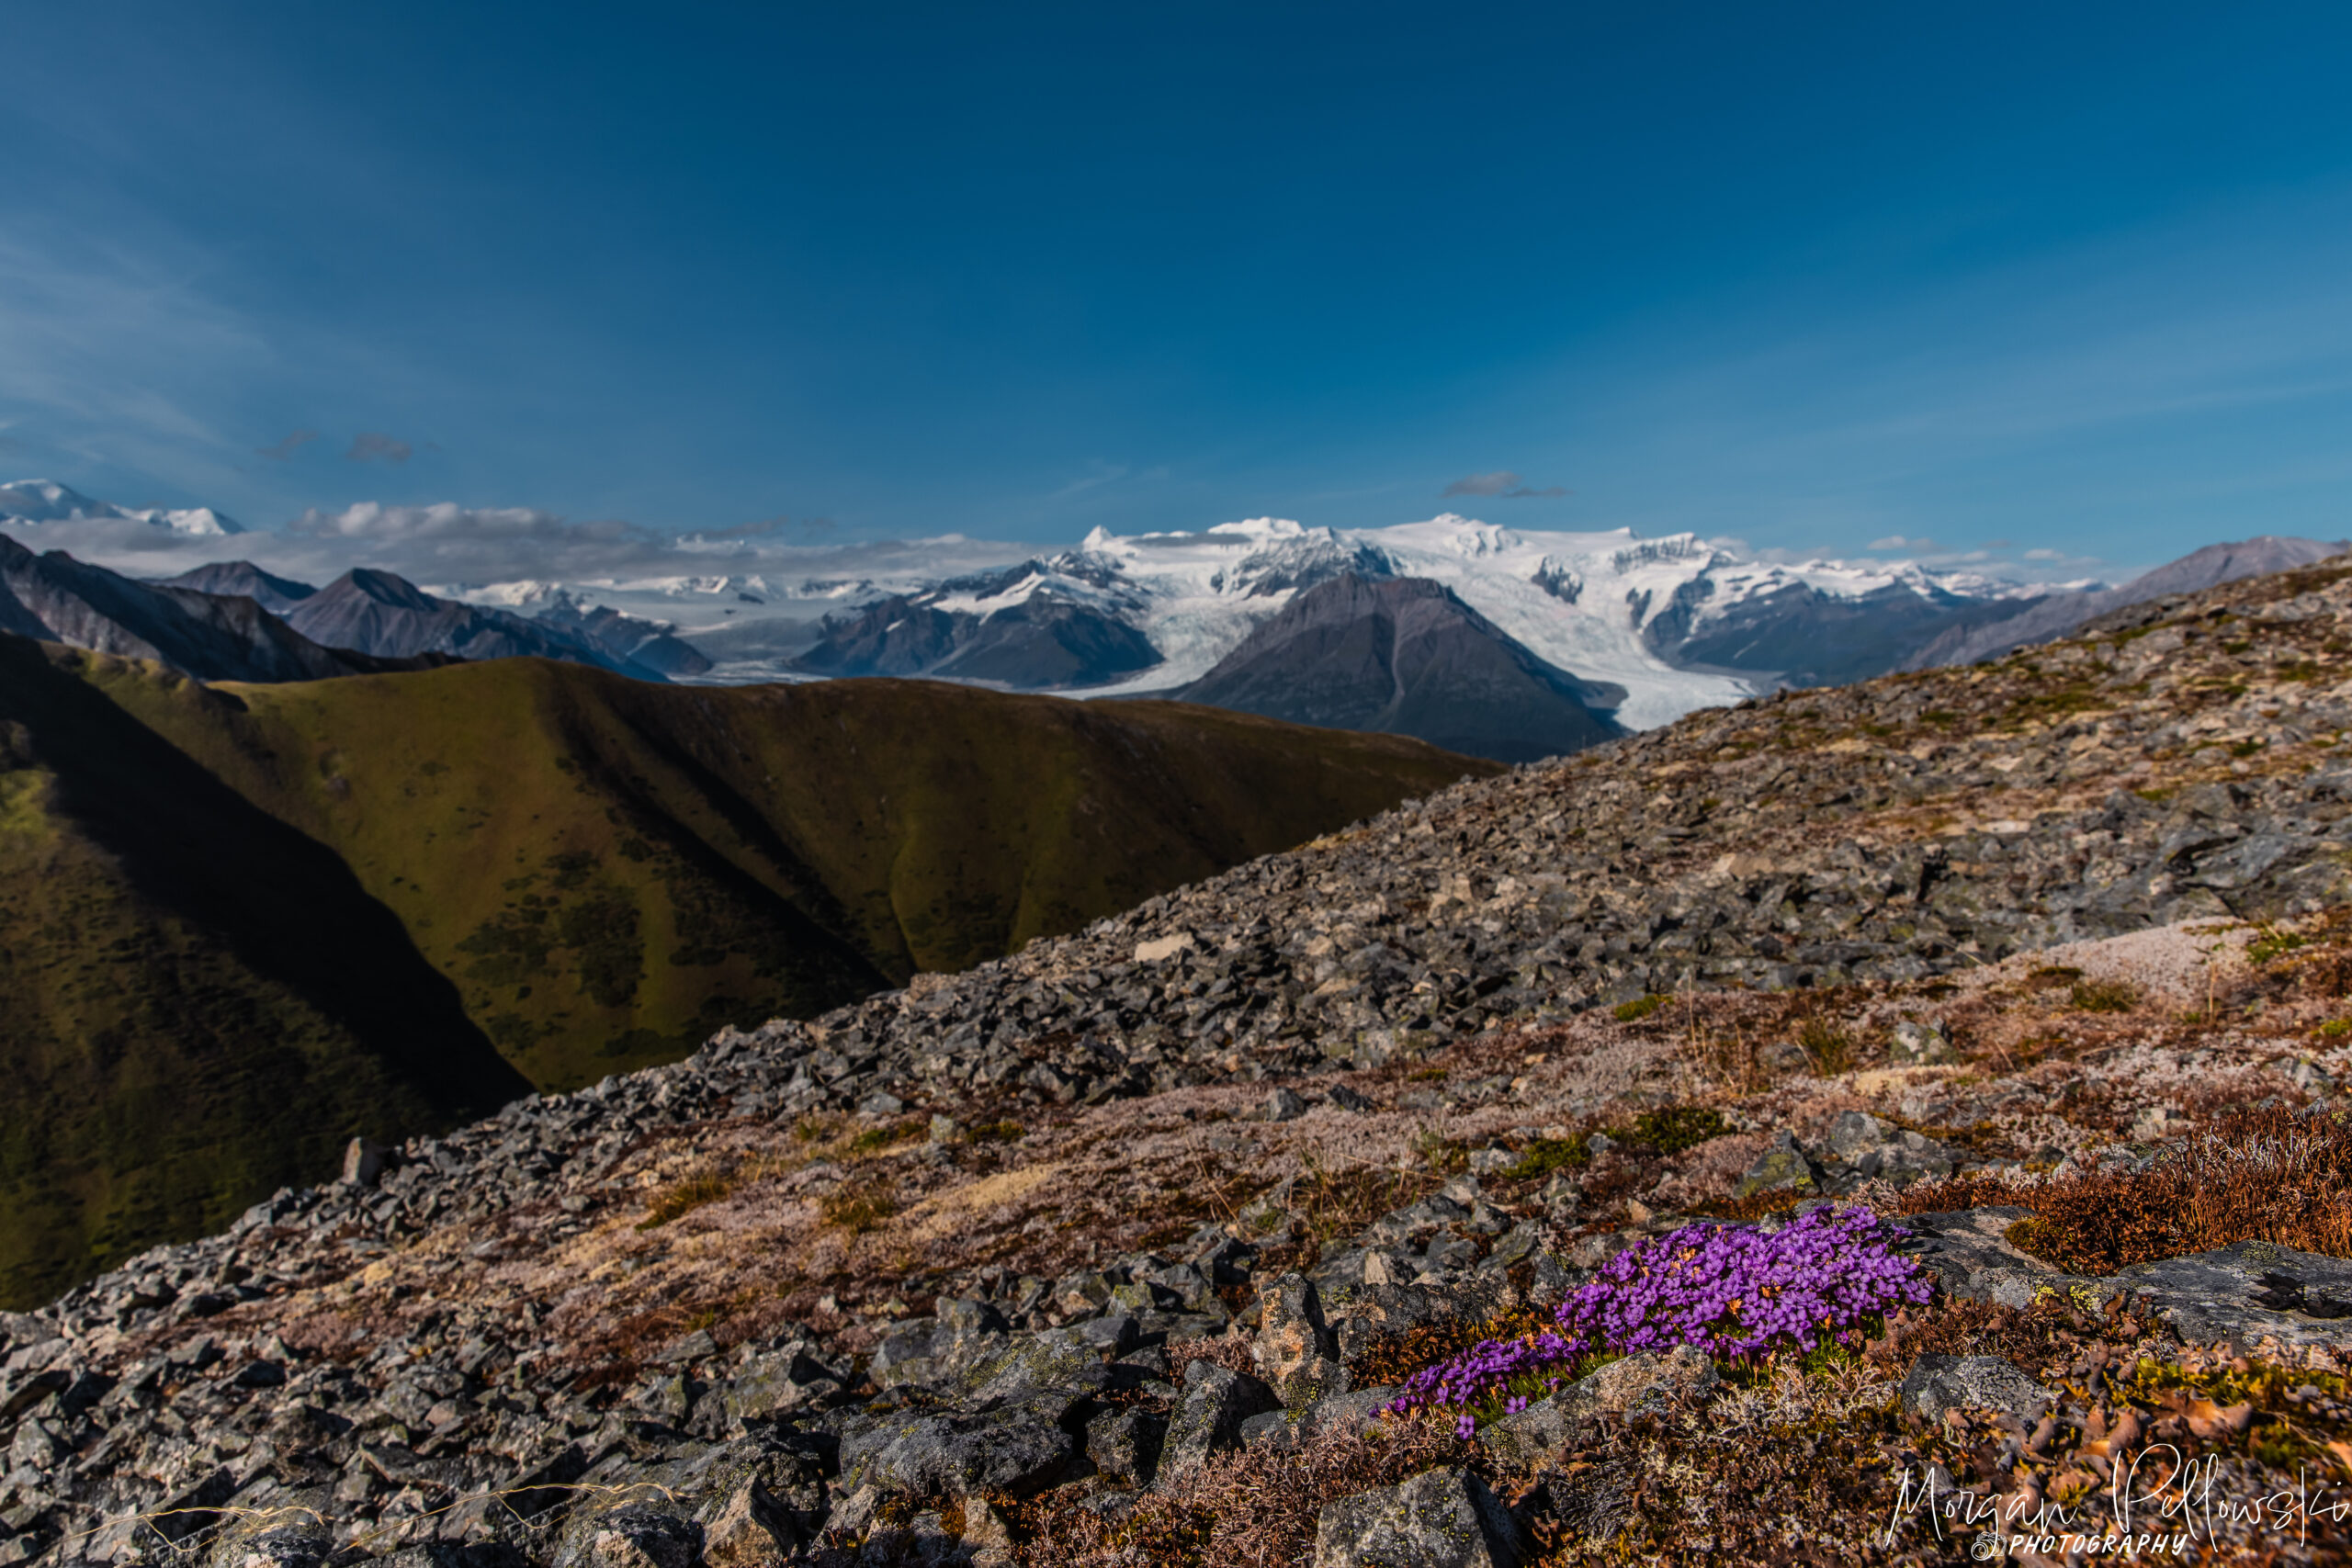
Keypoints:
pixel 46 501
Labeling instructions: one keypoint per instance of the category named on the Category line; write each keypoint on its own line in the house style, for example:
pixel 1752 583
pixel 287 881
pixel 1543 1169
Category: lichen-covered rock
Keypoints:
pixel 1642 1383
pixel 958 1453
pixel 1441 1518
pixel 2260 1299
pixel 1968 1251
pixel 1295 1350
pixel 1210 1409
pixel 1781 1168
pixel 749 1529
pixel 1125 1443
pixel 634 1535
pixel 1937 1384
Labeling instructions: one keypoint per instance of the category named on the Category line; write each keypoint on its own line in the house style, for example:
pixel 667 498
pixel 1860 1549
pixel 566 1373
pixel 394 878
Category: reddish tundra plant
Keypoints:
pixel 1738 1292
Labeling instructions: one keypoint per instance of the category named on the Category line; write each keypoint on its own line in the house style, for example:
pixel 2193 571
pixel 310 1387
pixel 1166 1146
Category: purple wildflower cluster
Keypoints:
pixel 1734 1292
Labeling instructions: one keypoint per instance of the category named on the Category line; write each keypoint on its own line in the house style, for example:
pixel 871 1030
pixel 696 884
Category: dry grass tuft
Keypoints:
pixel 858 1208
pixel 2268 1175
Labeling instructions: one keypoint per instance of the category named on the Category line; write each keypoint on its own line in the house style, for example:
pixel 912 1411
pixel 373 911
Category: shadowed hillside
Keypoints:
pixel 197 1003
pixel 239 887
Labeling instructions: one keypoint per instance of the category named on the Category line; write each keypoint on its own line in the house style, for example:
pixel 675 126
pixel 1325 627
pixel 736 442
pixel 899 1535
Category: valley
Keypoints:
pixel 460 883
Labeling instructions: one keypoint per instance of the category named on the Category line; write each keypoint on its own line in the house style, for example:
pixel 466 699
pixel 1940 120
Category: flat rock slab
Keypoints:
pixel 1937 1384
pixel 1964 1249
pixel 1441 1518
pixel 2262 1299
pixel 1012 1448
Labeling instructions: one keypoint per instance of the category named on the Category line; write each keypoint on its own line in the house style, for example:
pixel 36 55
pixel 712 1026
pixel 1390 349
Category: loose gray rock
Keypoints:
pixel 1642 1383
pixel 1210 1409
pixel 1284 1105
pixel 1441 1518
pixel 1014 1447
pixel 1296 1352
pixel 1919 1044
pixel 363 1162
pixel 1126 1443
pixel 1940 1383
pixel 1781 1168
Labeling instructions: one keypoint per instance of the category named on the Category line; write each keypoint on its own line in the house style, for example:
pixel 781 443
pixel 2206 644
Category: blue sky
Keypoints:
pixel 2073 280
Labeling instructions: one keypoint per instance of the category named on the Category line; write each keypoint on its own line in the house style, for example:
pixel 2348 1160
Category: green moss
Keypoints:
pixel 1638 1009
pixel 1545 1155
pixel 1677 1128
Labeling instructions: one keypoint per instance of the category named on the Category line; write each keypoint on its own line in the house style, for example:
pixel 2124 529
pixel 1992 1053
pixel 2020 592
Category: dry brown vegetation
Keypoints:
pixel 2267 1174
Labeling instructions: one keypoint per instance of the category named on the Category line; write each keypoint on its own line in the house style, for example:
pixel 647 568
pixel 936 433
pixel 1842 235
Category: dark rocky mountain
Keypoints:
pixel 231 578
pixel 54 598
pixel 1977 637
pixel 1039 643
pixel 629 638
pixel 1134 1229
pixel 1805 637
pixel 379 613
pixel 1405 656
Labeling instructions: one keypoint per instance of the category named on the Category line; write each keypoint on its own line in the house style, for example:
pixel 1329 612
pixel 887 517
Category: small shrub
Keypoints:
pixel 1426 1074
pixel 996 1133
pixel 2274 943
pixel 2102 996
pixel 2243 748
pixel 2337 1028
pixel 883 1137
pixel 2050 977
pixel 1638 1009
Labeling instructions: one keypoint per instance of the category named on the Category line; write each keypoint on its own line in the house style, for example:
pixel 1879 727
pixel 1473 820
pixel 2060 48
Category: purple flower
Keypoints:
pixel 1735 1291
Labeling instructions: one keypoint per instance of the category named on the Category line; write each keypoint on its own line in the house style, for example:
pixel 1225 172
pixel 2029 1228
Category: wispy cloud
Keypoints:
pixel 1500 485
pixel 370 445
pixel 286 448
pixel 1898 542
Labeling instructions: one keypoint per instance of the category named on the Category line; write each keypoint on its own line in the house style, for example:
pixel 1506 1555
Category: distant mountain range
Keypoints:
pixel 272 916
pixel 1551 640
pixel 46 501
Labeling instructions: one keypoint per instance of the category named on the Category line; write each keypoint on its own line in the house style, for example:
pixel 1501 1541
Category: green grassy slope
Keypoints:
pixel 197 1004
pixel 586 872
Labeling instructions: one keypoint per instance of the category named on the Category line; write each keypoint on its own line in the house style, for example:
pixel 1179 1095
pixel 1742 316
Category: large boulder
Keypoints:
pixel 1210 1409
pixel 1014 1447
pixel 1440 1518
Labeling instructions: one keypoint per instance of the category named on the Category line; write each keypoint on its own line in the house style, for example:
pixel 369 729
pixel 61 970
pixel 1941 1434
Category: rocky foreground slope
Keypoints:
pixel 1092 1254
